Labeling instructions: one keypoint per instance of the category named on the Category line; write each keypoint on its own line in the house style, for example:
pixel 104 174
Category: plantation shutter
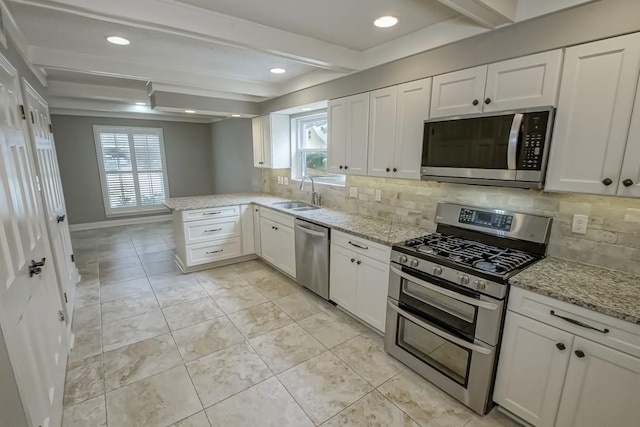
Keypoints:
pixel 133 170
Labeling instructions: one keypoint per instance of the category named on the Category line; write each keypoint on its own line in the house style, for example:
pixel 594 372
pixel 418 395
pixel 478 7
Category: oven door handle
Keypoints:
pixel 451 294
pixel 438 332
pixel 514 136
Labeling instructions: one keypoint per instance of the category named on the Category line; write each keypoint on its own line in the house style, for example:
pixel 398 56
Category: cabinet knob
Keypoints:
pixel 346 167
pixel 359 262
pixel 487 101
pixel 475 102
pixel 353 260
pixel 580 353
pixel 627 183
pixel 395 169
pixel 388 169
pixel 607 181
pixel 341 167
pixel 561 346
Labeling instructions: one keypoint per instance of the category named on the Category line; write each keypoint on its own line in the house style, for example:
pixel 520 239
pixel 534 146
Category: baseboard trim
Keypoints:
pixel 215 264
pixel 119 222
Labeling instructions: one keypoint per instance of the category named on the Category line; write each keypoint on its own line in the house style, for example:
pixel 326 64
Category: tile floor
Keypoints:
pixel 239 345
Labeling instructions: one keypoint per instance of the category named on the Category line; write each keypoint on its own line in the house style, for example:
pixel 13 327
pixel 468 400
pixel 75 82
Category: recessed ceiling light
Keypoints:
pixel 278 70
pixel 236 115
pixel 385 21
pixel 306 109
pixel 121 41
pixel 190 111
pixel 141 103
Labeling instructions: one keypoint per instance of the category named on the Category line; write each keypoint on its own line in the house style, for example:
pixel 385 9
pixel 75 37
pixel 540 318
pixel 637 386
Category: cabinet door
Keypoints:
pixel 342 275
pixel 246 229
pixel 602 388
pixel 372 289
pixel 382 131
pixel 461 92
pixel 266 142
pixel 412 111
pixel 278 146
pixel 268 240
pixel 256 131
pixel 337 136
pixel 357 134
pixel 629 185
pixel 594 110
pixel 532 369
pixel 530 81
pixel 256 230
pixel 286 249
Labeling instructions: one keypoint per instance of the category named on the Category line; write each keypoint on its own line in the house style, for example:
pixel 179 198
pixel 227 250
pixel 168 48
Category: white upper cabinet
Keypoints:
pixel 530 81
pixel 629 185
pixel 458 93
pixel 396 123
pixel 597 90
pixel 527 82
pixel 271 141
pixel 348 135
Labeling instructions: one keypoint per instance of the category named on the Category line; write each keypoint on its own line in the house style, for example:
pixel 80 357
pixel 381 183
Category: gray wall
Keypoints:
pixel 581 24
pixel 187 148
pixel 232 161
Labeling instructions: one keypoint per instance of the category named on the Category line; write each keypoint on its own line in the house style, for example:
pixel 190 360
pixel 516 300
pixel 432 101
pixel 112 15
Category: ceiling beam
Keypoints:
pixel 178 102
pixel 89 91
pixel 488 13
pixel 99 65
pixel 189 21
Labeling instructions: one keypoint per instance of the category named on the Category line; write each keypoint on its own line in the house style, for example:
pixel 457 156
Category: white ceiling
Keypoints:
pixel 224 49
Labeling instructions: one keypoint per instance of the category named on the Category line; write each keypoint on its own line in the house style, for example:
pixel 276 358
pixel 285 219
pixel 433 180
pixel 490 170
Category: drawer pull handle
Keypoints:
pixel 358 246
pixel 214 252
pixel 213 230
pixel 578 323
pixel 212 213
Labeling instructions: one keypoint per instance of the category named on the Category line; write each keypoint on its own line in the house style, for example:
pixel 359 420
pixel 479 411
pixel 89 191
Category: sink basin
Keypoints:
pixel 296 206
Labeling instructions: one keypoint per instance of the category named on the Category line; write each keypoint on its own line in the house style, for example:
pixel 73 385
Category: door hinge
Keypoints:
pixel 61 315
pixel 66 300
pixel 32 119
pixel 50 128
pixel 73 259
pixel 21 112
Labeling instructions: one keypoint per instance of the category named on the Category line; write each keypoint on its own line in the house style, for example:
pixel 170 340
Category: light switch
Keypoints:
pixel 353 191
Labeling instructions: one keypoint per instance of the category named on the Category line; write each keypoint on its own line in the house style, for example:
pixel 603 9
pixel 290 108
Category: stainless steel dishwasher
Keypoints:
pixel 312 257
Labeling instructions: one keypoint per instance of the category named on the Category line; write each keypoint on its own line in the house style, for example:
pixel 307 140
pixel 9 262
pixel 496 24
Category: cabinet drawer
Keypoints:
pixel 621 335
pixel 362 246
pixel 214 251
pixel 200 214
pixel 278 217
pixel 213 229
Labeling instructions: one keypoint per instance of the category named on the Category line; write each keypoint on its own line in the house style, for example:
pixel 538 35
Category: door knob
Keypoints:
pixel 475 102
pixel 627 183
pixel 607 181
pixel 60 218
pixel 561 346
pixel 36 267
pixel 580 353
pixel 487 101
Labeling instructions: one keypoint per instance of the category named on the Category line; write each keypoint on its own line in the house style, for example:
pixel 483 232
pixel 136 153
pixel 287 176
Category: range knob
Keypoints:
pixel 464 279
pixel 403 259
pixel 437 270
pixel 480 284
pixel 414 262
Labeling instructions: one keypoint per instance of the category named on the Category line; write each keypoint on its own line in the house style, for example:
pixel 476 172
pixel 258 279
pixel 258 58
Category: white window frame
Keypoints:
pixel 296 152
pixel 112 212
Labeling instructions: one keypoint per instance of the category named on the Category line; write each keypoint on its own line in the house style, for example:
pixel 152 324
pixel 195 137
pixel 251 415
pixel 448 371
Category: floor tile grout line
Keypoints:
pixel 394 403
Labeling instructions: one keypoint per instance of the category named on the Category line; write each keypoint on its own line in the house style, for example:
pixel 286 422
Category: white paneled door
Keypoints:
pixel 29 302
pixel 52 198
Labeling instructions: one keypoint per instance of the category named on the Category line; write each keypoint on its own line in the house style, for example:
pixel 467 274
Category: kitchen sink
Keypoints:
pixel 296 206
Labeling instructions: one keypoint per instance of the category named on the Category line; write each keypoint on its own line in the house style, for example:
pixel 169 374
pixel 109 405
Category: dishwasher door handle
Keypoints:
pixel 308 231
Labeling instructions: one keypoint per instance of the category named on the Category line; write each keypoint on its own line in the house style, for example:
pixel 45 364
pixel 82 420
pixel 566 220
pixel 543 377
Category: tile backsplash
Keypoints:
pixel 613 233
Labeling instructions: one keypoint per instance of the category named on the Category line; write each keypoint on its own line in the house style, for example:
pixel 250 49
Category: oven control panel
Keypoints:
pixel 486 219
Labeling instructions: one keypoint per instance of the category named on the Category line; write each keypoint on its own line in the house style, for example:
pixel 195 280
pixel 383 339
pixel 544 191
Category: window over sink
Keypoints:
pixel 309 133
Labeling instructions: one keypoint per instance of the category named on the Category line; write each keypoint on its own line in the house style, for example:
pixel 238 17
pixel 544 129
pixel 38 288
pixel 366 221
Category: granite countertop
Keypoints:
pixel 605 291
pixel 379 230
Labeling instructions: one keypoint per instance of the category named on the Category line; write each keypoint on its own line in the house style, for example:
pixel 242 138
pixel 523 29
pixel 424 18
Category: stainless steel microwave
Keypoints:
pixel 508 149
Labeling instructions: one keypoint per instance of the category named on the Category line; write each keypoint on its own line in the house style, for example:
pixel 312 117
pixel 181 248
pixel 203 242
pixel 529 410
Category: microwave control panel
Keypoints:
pixel 486 219
pixel 533 141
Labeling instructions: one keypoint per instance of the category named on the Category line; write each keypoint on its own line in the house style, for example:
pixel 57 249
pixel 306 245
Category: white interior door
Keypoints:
pixel 52 197
pixel 29 303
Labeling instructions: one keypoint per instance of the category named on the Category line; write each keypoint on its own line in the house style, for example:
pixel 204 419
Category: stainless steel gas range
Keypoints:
pixel 447 296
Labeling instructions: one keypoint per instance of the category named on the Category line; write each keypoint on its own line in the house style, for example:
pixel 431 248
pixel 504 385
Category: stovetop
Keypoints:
pixel 454 250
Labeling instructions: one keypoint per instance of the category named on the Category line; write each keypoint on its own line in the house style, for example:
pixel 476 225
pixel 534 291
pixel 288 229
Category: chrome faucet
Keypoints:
pixel 315 196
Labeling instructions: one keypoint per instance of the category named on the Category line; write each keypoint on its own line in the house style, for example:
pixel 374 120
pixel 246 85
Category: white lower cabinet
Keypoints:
pixel 248 236
pixel 278 245
pixel 359 284
pixel 552 372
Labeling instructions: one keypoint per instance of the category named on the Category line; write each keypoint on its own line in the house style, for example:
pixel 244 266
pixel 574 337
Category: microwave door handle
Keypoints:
pixel 436 331
pixel 514 136
pixel 446 292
